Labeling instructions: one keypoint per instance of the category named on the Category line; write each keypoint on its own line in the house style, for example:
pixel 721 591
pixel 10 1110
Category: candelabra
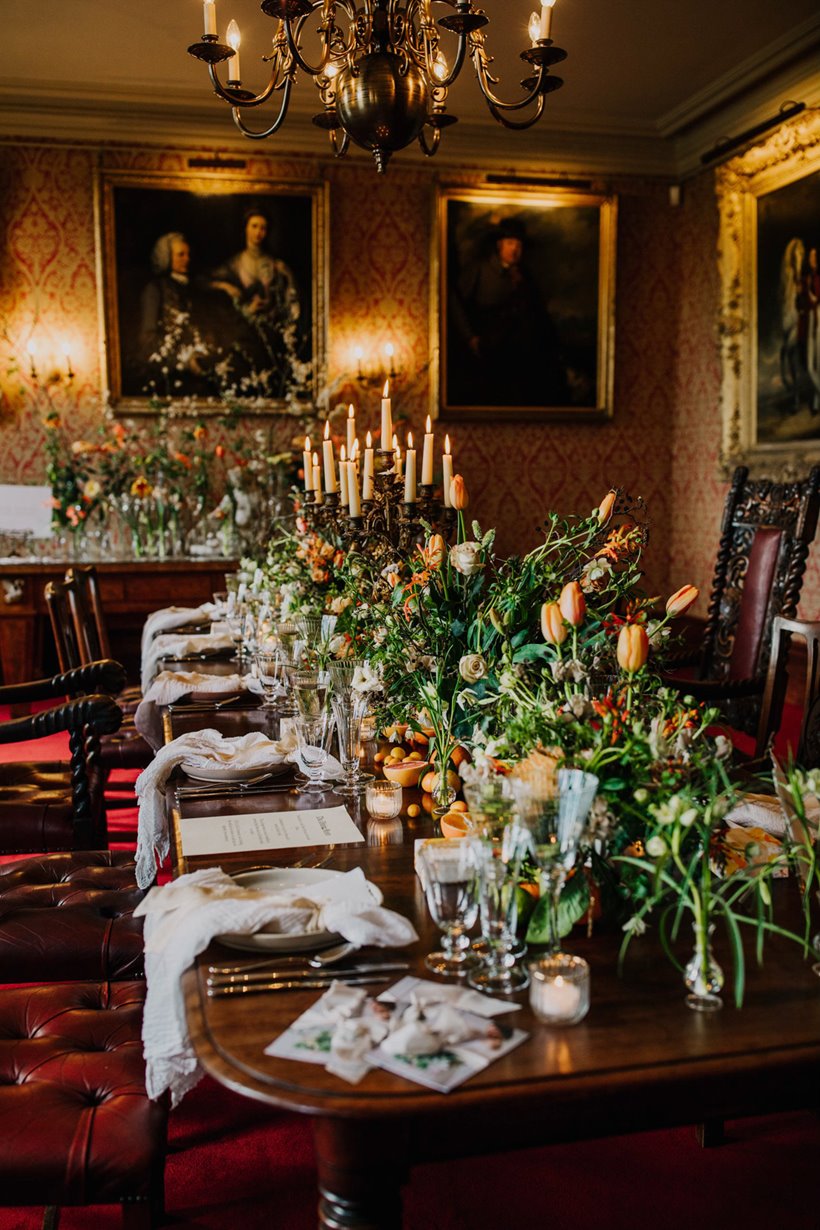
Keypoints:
pixel 387 527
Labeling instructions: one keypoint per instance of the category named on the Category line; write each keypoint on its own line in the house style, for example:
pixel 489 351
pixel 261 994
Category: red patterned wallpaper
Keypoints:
pixel 662 442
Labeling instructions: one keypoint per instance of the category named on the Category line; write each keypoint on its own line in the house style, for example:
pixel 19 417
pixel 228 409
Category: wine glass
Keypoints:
pixel 450 874
pixel 555 824
pixel 499 855
pixel 490 803
pixel 269 674
pixel 313 733
pixel 291 647
pixel 310 691
pixel 349 710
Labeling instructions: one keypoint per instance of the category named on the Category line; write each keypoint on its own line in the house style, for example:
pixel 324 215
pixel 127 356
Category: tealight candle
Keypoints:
pixel 387 416
pixel 559 990
pixel 446 472
pixel 383 799
pixel 427 456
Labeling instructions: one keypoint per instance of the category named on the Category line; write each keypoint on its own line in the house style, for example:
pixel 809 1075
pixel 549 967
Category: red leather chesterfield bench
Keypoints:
pixel 65 916
pixel 76 1125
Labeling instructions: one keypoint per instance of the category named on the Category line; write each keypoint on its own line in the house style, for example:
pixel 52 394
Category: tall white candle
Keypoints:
pixel 427 455
pixel 307 463
pixel 369 469
pixel 343 495
pixel 353 493
pixel 387 416
pixel 397 461
pixel 446 471
pixel 330 462
pixel 209 17
pixel 351 428
pixel 546 17
pixel 410 472
pixel 317 479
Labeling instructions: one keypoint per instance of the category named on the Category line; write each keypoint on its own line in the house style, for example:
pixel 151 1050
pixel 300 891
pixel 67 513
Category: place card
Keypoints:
pixel 275 830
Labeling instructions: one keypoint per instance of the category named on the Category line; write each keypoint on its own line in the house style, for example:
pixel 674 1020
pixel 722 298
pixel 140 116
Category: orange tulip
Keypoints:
pixel 681 600
pixel 572 604
pixel 633 647
pixel 553 628
pixel 434 551
pixel 606 506
pixel 459 498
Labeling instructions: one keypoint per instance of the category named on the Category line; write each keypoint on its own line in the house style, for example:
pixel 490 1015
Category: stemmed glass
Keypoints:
pixel 450 875
pixel 269 674
pixel 314 724
pixel 291 647
pixel 500 847
pixel 317 631
pixel 349 709
pixel 555 826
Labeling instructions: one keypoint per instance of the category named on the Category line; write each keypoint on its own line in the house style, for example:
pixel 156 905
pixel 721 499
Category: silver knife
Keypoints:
pixel 191 793
pixel 377 967
pixel 310 984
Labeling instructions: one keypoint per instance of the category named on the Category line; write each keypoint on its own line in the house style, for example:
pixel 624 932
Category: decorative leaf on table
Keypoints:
pixel 573 906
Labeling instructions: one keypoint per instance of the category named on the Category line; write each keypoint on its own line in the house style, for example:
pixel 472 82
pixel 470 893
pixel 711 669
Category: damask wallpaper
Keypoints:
pixel 662 442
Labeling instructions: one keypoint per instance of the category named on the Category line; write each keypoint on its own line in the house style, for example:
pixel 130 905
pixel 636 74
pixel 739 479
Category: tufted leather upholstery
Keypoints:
pixel 36 810
pixel 76 1125
pixel 70 916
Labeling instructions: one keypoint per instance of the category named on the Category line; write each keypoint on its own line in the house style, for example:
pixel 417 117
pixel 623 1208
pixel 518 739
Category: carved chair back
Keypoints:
pixel 69 652
pixel 765 536
pixel 84 603
pixel 774 696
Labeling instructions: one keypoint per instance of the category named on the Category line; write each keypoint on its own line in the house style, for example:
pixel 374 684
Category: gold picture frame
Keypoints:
pixel 245 322
pixel 522 321
pixel 769 208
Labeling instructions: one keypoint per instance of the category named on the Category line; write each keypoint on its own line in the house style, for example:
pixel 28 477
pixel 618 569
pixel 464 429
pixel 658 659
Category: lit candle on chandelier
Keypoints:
pixel 369 469
pixel 387 417
pixel 446 472
pixel 397 462
pixel 209 17
pixel 307 464
pixel 317 480
pixel 351 428
pixel 427 455
pixel 353 490
pixel 233 39
pixel 343 479
pixel 330 463
pixel 410 472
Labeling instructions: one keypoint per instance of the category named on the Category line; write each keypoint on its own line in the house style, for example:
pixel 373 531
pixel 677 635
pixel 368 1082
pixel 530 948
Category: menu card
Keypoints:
pixel 275 830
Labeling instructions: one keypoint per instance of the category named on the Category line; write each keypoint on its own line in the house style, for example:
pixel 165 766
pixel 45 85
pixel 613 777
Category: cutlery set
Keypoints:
pixel 281 977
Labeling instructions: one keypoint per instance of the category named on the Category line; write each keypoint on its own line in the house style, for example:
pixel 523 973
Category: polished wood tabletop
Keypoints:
pixel 640 1060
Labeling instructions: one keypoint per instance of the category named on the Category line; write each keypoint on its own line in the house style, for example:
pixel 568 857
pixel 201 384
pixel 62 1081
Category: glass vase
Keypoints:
pixel 703 976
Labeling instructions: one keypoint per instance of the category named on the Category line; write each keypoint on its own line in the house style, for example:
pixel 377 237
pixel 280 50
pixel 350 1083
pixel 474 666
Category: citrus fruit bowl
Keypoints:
pixel 405 772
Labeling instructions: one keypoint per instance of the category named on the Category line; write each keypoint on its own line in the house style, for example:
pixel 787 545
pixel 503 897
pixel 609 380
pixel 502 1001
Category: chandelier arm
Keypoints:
pixel 253 101
pixel 493 100
pixel 519 125
pixel 277 123
pixel 430 150
pixel 293 40
pixel 339 147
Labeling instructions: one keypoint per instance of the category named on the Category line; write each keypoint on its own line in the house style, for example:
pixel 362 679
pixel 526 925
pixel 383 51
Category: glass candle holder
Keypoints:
pixel 383 799
pixel 559 989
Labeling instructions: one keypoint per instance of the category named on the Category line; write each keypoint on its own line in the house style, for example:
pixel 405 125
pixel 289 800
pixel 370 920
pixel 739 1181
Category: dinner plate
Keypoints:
pixel 230 773
pixel 277 878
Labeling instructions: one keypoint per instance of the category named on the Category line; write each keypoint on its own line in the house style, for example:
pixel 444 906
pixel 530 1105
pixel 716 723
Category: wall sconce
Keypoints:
pixel 61 373
pixel 374 376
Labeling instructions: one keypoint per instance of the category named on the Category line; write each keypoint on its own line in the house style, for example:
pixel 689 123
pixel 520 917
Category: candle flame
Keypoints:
pixel 316 459
pixel 307 444
pixel 354 452
pixel 386 389
pixel 389 350
pixel 234 38
pixel 409 439
pixel 446 444
pixel 429 426
pixel 358 353
pixel 351 413
pixel 327 429
pixel 344 454
pixel 395 443
pixel 369 440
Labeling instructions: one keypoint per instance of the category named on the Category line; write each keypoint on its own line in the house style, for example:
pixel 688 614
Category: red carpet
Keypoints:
pixel 235 1163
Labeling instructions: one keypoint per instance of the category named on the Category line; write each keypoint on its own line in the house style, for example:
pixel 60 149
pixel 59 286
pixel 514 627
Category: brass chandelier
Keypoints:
pixel 383 71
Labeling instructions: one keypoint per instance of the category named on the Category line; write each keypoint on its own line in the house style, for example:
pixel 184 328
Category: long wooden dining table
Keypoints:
pixel 640 1060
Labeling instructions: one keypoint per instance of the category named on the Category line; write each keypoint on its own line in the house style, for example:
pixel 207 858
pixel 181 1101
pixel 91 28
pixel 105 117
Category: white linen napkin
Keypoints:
pixel 177 645
pixel 182 918
pixel 170 617
pixel 169 686
pixel 204 749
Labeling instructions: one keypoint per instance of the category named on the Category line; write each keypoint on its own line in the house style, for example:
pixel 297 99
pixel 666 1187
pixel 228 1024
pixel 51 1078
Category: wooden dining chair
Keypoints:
pixel 765 536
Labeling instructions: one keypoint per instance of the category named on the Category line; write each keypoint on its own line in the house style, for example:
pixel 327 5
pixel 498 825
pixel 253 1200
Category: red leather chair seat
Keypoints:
pixel 76 1125
pixel 70 916
pixel 36 811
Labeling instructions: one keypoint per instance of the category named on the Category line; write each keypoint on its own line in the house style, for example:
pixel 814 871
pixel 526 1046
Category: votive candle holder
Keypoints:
pixel 559 989
pixel 383 799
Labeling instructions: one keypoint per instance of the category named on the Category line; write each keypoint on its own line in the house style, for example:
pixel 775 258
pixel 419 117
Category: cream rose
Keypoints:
pixel 466 558
pixel 472 667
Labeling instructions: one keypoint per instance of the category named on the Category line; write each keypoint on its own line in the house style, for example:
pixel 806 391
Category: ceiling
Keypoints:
pixel 649 84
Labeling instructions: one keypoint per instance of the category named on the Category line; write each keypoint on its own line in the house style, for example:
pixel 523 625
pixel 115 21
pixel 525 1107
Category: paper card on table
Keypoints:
pixel 277 830
pixel 453 1065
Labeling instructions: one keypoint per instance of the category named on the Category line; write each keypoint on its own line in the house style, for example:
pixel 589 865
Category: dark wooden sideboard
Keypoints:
pixel 131 589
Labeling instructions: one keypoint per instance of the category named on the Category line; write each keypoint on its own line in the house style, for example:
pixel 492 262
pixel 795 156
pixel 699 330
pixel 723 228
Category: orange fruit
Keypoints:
pixel 527 886
pixel 454 824
pixel 459 805
pixel 459 756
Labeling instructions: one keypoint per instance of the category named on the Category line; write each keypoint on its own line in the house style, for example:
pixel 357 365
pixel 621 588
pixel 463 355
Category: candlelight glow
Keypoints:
pixel 386 389
pixel 429 427
pixel 409 439
pixel 327 429
pixel 351 413
pixel 447 444
pixel 307 444
pixel 369 440
pixel 233 37
pixel 343 454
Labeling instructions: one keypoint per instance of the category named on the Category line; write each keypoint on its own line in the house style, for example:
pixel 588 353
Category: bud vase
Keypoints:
pixel 703 976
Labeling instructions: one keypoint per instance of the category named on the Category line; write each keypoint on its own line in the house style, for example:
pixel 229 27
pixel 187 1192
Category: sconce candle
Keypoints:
pixel 307 463
pixel 387 416
pixel 446 471
pixel 351 428
pixel 427 456
pixel 410 472
pixel 209 17
pixel 233 39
